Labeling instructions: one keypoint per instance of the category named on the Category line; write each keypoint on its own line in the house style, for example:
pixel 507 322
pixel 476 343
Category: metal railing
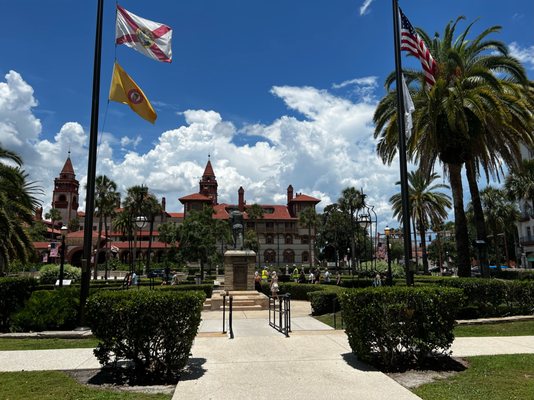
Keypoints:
pixel 280 313
pixel 230 314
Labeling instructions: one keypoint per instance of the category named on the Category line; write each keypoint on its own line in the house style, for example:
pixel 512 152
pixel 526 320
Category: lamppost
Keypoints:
pixel 64 231
pixel 389 281
pixel 364 220
pixel 140 222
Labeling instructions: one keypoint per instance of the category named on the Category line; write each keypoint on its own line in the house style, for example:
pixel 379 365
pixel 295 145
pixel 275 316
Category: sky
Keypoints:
pixel 277 92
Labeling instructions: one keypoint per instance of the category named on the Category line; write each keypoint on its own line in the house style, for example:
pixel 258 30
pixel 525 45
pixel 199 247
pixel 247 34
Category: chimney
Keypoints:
pixel 163 203
pixel 39 213
pixel 289 194
pixel 241 197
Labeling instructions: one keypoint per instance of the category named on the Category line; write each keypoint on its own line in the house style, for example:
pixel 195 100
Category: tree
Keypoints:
pixel 74 224
pixel 106 198
pixel 37 231
pixel 335 224
pixel 54 215
pixel 18 199
pixel 427 204
pixel 309 218
pixel 519 184
pixel 475 114
pixel 350 202
pixel 136 205
pixel 255 213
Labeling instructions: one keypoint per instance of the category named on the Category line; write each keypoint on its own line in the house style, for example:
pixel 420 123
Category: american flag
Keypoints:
pixel 413 44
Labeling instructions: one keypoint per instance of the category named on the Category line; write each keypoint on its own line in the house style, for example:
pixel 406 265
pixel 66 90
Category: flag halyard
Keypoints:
pixel 152 39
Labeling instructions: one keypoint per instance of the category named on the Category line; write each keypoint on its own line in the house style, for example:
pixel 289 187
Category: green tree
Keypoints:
pixel 476 113
pixel 74 224
pixel 519 185
pixel 53 215
pixel 37 231
pixel 309 218
pixel 255 213
pixel 333 230
pixel 18 199
pixel 427 204
pixel 350 202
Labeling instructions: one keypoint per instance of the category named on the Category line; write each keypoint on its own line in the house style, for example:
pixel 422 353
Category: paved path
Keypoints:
pixel 315 362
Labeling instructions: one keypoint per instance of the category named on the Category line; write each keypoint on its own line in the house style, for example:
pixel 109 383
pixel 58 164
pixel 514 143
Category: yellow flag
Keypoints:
pixel 124 90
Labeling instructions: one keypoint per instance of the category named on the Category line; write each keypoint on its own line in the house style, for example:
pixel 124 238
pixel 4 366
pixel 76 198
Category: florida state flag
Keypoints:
pixel 150 38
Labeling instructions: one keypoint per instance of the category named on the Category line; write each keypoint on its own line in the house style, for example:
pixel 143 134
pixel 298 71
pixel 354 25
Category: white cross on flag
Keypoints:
pixel 150 38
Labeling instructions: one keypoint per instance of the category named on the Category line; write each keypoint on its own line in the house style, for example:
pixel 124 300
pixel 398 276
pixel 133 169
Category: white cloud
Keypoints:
pixel 365 6
pixel 128 141
pixel 525 55
pixel 326 147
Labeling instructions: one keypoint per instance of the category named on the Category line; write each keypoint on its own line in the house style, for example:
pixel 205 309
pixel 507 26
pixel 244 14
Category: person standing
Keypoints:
pixel 257 281
pixel 274 285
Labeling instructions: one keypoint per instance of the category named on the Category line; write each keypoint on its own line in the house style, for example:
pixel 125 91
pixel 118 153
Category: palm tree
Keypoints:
pixel 309 218
pixel 152 209
pixel 135 204
pixel 106 197
pixel 255 213
pixel 18 199
pixel 350 202
pixel 519 184
pixel 54 215
pixel 427 204
pixel 476 113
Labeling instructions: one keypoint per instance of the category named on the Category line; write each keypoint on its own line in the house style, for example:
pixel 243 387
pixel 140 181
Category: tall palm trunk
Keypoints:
pixel 149 244
pixel 460 221
pixel 415 245
pixel 480 222
pixel 422 233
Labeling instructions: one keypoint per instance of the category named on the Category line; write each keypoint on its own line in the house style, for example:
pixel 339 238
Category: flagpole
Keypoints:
pixel 91 168
pixel 402 149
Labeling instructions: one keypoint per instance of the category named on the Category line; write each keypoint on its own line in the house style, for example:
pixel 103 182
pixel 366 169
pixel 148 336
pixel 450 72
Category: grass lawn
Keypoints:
pixel 504 377
pixel 53 385
pixel 519 328
pixel 45 343
pixel 328 319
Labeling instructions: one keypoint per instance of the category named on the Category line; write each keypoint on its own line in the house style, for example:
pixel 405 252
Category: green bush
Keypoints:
pixel 207 289
pixel 49 273
pixel 49 310
pixel 400 326
pixel 13 294
pixel 513 273
pixel 324 302
pixel 152 329
pixel 298 291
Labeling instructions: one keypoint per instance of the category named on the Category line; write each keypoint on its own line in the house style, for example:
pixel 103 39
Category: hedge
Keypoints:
pixel 298 291
pixel 152 330
pixel 324 301
pixel 392 327
pixel 14 292
pixel 49 273
pixel 49 310
pixel 206 288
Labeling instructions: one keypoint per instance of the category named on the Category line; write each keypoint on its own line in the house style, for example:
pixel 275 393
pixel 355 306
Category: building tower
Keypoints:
pixel 65 195
pixel 208 183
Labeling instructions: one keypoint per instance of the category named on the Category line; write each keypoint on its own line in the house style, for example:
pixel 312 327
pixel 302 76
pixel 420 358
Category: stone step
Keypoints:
pixel 240 307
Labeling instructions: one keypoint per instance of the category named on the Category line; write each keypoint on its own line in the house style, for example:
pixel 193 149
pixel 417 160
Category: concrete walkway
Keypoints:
pixel 315 362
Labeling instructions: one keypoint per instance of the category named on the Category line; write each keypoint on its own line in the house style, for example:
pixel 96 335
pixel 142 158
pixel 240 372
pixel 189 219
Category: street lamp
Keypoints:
pixel 364 220
pixel 140 222
pixel 389 281
pixel 64 231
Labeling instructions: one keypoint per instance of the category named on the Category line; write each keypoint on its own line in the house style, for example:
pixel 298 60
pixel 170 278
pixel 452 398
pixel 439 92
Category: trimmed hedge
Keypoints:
pixel 493 297
pixel 324 302
pixel 298 291
pixel 207 289
pixel 151 329
pixel 14 292
pixel 49 273
pixel 49 310
pixel 398 326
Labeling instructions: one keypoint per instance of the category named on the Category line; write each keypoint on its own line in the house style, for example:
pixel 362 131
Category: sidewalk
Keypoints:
pixel 315 362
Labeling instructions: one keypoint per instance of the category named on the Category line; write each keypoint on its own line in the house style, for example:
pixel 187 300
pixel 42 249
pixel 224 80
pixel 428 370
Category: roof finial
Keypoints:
pixel 208 156
pixel 69 152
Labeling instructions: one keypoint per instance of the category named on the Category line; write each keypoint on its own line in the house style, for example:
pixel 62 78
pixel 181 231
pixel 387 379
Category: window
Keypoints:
pixel 62 198
pixel 269 256
pixel 289 226
pixel 289 256
pixel 305 256
pixel 304 239
pixel 269 239
pixel 529 234
pixel 250 225
pixel 269 225
pixel 289 239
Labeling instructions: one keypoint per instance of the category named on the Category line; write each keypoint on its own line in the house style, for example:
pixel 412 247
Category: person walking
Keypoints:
pixel 274 285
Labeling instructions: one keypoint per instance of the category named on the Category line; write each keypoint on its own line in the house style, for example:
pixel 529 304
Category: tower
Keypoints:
pixel 208 183
pixel 65 195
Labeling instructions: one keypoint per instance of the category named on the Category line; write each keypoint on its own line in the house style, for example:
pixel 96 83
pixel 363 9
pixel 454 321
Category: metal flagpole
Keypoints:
pixel 91 167
pixel 402 149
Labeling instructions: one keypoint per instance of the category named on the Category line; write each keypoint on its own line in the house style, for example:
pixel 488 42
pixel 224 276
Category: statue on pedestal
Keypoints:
pixel 236 221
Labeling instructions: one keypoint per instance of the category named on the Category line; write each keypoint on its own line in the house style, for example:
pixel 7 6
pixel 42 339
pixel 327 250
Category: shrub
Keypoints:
pixel 13 294
pixel 49 273
pixel 49 310
pixel 394 326
pixel 152 329
pixel 206 288
pixel 324 302
pixel 298 291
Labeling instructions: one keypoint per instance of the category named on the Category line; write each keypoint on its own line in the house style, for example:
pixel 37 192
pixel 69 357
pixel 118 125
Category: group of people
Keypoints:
pixel 265 276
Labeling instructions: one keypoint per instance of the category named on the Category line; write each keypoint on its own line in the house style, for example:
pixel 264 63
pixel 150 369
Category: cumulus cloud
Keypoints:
pixel 326 145
pixel 523 54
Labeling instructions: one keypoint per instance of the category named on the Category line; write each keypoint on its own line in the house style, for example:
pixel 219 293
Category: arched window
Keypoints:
pixel 269 239
pixel 62 197
pixel 289 256
pixel 289 239
pixel 269 256
pixel 305 256
pixel 305 239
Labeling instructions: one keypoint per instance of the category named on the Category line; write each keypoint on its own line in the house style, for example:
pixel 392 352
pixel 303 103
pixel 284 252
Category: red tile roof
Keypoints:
pixel 176 215
pixel 79 234
pixel 305 198
pixel 41 245
pixel 67 168
pixel 208 171
pixel 195 196
pixel 140 245
pixel 271 212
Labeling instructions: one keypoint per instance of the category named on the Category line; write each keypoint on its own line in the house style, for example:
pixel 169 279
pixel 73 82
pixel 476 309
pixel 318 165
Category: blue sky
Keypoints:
pixel 278 92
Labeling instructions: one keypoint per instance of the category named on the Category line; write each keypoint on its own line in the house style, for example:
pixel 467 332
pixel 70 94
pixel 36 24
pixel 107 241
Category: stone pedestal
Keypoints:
pixel 239 269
